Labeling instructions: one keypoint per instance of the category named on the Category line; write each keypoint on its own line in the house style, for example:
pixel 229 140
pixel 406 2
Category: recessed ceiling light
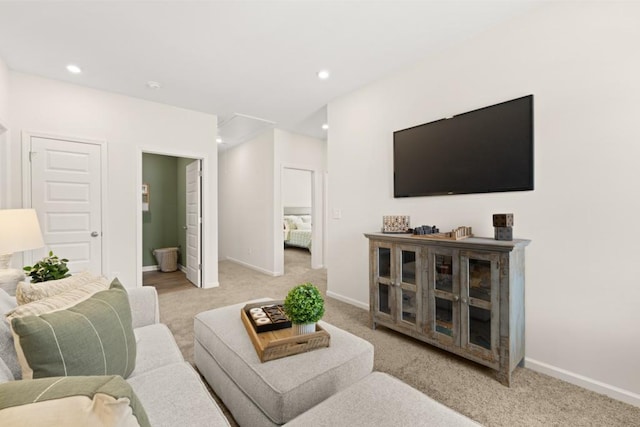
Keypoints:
pixel 323 74
pixel 325 126
pixel 219 140
pixel 153 85
pixel 74 69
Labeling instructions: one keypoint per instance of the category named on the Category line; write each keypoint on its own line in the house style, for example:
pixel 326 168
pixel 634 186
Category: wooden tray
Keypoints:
pixel 281 343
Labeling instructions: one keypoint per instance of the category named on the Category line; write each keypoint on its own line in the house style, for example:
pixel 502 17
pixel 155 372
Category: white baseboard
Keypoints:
pixel 157 267
pixel 253 267
pixel 348 300
pixel 584 382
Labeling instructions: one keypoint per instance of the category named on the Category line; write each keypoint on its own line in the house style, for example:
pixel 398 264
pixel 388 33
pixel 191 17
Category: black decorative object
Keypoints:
pixel 267 316
pixel 503 224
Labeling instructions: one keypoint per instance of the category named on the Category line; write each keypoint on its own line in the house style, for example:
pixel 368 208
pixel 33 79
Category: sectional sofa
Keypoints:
pixel 165 390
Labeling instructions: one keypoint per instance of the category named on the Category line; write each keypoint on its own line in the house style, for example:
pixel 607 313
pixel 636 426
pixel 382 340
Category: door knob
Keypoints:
pixel 184 227
pixel 94 234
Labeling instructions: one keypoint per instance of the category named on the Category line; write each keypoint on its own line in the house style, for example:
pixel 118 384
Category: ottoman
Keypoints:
pixel 380 399
pixel 273 392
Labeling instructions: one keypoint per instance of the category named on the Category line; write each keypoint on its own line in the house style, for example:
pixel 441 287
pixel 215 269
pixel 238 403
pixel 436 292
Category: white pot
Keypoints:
pixel 303 328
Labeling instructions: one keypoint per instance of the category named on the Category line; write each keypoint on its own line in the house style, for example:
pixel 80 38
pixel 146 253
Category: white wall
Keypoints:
pixel 582 293
pixel 4 92
pixel 127 125
pixel 4 128
pixel 246 203
pixel 296 187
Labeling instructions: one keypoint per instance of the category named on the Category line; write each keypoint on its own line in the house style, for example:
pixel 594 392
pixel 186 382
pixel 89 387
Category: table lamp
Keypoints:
pixel 19 231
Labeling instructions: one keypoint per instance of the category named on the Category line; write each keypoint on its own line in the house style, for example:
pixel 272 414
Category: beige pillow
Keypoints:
pixel 57 302
pixel 71 401
pixel 27 292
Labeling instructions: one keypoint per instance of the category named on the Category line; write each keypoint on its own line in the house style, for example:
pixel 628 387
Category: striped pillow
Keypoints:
pixel 92 337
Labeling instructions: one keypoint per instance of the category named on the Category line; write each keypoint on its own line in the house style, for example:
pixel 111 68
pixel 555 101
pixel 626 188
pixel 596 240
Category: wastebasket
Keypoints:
pixel 167 259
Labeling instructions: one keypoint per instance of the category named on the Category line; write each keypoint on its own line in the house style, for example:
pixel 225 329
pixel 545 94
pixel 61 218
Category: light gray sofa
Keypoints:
pixel 170 390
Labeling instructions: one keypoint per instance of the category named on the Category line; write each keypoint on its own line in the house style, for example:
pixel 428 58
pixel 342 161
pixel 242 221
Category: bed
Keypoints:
pixel 297 227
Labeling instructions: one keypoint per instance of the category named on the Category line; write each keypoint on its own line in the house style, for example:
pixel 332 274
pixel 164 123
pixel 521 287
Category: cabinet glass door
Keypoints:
pixel 410 300
pixel 382 297
pixel 480 281
pixel 443 296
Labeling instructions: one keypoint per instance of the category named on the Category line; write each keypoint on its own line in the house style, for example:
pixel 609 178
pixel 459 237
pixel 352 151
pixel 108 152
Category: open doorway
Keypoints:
pixel 171 222
pixel 297 218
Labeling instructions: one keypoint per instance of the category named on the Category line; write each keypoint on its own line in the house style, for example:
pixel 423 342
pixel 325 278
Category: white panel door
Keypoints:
pixel 194 224
pixel 66 193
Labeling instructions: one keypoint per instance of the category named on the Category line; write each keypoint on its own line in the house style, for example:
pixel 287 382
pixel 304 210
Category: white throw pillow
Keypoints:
pixel 304 226
pixel 27 292
pixel 306 219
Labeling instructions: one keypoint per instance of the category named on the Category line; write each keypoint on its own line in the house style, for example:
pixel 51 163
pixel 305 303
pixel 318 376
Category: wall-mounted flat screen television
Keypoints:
pixel 483 151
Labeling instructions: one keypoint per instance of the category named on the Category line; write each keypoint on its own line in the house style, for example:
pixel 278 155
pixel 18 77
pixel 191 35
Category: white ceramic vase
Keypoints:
pixel 303 328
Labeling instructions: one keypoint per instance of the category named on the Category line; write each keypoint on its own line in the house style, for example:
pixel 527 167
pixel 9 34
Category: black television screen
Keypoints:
pixel 482 151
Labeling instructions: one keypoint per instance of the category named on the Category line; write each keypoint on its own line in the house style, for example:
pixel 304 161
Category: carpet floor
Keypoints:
pixel 534 399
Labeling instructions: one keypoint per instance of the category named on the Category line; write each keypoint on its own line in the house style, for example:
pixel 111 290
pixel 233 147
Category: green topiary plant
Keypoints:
pixel 48 268
pixel 304 304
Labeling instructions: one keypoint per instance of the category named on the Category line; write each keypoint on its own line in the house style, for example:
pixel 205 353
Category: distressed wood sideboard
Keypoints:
pixel 464 296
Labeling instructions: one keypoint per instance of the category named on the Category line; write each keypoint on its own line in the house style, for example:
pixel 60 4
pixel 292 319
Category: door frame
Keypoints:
pixel 104 186
pixel 317 216
pixel 199 224
pixel 204 205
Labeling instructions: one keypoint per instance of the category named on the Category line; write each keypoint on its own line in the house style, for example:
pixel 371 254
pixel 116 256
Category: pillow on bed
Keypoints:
pixel 304 226
pixel 293 221
pixel 306 219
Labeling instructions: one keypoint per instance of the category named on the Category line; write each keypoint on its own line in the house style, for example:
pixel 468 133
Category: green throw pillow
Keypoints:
pixel 93 337
pixel 91 400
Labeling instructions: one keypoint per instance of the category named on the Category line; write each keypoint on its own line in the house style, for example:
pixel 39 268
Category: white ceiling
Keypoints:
pixel 255 58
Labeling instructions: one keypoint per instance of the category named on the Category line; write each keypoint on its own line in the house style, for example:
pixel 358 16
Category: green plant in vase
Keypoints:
pixel 304 306
pixel 48 268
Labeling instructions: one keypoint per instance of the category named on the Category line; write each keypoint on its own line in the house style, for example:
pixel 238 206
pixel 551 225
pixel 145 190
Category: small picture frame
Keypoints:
pixel 145 197
pixel 395 224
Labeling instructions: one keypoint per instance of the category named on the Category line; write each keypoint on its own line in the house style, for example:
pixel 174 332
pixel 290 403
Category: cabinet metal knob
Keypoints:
pixel 464 300
pixel 456 298
pixel 94 234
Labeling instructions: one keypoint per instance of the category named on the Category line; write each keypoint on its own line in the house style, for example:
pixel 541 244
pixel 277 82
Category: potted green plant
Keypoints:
pixel 48 268
pixel 304 306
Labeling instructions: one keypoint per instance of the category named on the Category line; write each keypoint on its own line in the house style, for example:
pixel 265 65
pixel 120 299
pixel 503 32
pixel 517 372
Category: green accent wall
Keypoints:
pixel 159 222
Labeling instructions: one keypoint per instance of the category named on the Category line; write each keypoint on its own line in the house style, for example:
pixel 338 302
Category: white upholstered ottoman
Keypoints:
pixel 273 392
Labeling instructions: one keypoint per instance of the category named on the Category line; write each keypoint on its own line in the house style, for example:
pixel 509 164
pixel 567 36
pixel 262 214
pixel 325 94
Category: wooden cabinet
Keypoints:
pixel 397 272
pixel 464 296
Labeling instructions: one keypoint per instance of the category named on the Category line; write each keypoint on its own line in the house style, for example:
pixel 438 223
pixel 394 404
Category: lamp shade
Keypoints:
pixel 19 230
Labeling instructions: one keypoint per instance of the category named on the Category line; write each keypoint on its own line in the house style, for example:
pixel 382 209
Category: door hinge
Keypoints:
pixel 199 266
pixel 32 154
pixel 200 173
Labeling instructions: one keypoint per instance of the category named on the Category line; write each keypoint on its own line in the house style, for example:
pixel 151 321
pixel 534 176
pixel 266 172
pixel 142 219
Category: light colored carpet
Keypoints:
pixel 533 399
